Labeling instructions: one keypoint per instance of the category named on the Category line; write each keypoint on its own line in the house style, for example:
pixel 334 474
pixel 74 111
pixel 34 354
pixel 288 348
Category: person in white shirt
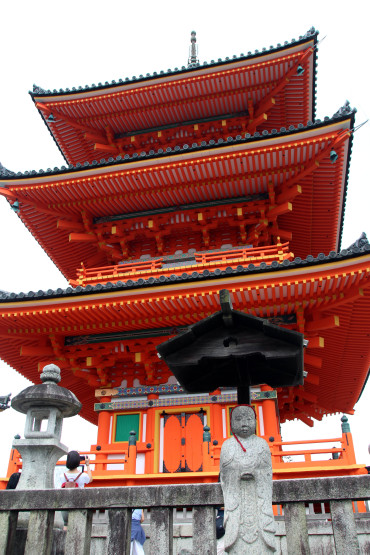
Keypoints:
pixel 73 474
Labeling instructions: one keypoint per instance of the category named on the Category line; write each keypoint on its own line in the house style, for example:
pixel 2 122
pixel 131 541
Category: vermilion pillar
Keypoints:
pixel 216 419
pixel 103 433
pixel 270 419
pixel 104 424
pixel 150 437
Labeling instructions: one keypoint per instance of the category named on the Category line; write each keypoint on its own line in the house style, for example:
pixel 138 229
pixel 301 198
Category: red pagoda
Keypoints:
pixel 177 185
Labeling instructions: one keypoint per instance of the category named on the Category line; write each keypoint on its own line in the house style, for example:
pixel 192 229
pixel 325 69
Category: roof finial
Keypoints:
pixel 193 51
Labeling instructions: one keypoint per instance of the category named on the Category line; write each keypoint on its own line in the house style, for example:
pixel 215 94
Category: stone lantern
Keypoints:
pixel 45 405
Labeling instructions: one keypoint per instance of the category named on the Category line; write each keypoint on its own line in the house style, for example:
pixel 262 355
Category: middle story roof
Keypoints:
pixel 302 172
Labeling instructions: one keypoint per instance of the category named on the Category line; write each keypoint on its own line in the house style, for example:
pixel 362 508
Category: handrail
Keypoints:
pixel 122 268
pixel 105 466
pixel 338 488
pixel 148 268
pixel 308 452
pixel 304 441
pixel 339 492
pixel 341 455
pixel 257 252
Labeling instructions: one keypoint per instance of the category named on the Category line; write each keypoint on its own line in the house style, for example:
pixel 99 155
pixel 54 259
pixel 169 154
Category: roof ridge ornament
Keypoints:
pixel 344 110
pixel 361 242
pixel 193 60
pixel 4 171
pixel 36 89
pixel 310 32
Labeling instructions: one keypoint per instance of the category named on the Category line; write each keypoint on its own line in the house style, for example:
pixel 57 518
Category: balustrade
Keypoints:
pixel 293 495
pixel 157 266
pixel 287 457
pixel 342 453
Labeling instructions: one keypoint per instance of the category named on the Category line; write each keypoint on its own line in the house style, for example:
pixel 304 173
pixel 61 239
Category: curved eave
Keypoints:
pixel 272 52
pixel 334 292
pixel 195 94
pixel 237 167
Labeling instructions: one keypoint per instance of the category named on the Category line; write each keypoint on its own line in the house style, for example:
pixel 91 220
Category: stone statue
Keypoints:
pixel 246 480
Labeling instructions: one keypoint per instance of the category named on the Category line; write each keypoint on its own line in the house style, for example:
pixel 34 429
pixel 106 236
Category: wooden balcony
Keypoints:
pixel 199 261
pixel 346 532
pixel 117 464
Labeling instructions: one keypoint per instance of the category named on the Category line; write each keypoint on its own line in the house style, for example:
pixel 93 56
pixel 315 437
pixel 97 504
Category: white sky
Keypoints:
pixel 71 43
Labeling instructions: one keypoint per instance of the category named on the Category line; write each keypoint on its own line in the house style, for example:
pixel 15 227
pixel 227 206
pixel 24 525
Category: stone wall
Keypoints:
pixel 339 527
pixel 320 535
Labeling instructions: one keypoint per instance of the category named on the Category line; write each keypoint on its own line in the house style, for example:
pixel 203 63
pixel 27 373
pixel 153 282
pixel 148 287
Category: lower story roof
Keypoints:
pixel 104 335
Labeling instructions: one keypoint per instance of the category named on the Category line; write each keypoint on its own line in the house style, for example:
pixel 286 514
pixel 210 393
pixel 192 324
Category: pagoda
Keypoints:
pixel 177 185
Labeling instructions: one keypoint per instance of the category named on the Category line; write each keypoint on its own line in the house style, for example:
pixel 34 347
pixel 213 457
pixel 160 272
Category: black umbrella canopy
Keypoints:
pixel 233 349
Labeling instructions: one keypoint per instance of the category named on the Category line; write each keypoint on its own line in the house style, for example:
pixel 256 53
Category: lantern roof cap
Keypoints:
pixel 48 394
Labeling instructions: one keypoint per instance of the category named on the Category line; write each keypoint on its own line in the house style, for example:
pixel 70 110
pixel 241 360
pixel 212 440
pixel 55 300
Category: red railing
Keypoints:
pixel 104 462
pixel 107 273
pixel 265 254
pixel 154 266
pixel 337 452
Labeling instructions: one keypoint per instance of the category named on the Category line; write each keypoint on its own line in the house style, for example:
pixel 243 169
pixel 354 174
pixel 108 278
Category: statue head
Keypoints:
pixel 243 421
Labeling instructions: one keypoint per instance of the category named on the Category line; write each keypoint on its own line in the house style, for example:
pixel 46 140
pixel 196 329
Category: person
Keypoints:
pixel 72 464
pixel 137 533
pixel 13 480
pixel 73 473
pixel 246 480
pixel 220 530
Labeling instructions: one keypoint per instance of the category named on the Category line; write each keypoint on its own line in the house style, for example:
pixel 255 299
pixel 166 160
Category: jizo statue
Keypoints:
pixel 246 480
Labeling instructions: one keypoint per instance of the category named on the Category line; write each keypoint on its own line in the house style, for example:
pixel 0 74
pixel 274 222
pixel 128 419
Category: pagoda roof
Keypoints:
pixel 327 297
pixel 91 120
pixel 201 173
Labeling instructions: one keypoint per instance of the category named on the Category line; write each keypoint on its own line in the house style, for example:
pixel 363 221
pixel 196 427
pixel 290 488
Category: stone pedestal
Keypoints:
pixel 39 458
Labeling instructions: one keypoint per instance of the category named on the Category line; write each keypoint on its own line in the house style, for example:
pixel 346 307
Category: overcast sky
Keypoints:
pixel 71 43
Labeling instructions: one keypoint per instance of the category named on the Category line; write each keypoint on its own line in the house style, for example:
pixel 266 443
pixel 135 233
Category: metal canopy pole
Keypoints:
pixel 243 386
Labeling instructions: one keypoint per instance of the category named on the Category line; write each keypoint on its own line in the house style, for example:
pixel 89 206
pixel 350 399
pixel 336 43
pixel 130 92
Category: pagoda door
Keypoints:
pixel 182 441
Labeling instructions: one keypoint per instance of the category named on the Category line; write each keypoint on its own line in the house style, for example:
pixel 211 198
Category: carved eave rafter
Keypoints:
pixel 198 227
pixel 104 363
pixel 108 363
pixel 255 222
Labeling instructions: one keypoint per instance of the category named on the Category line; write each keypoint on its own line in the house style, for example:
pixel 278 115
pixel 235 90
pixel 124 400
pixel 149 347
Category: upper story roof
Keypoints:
pixel 258 91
